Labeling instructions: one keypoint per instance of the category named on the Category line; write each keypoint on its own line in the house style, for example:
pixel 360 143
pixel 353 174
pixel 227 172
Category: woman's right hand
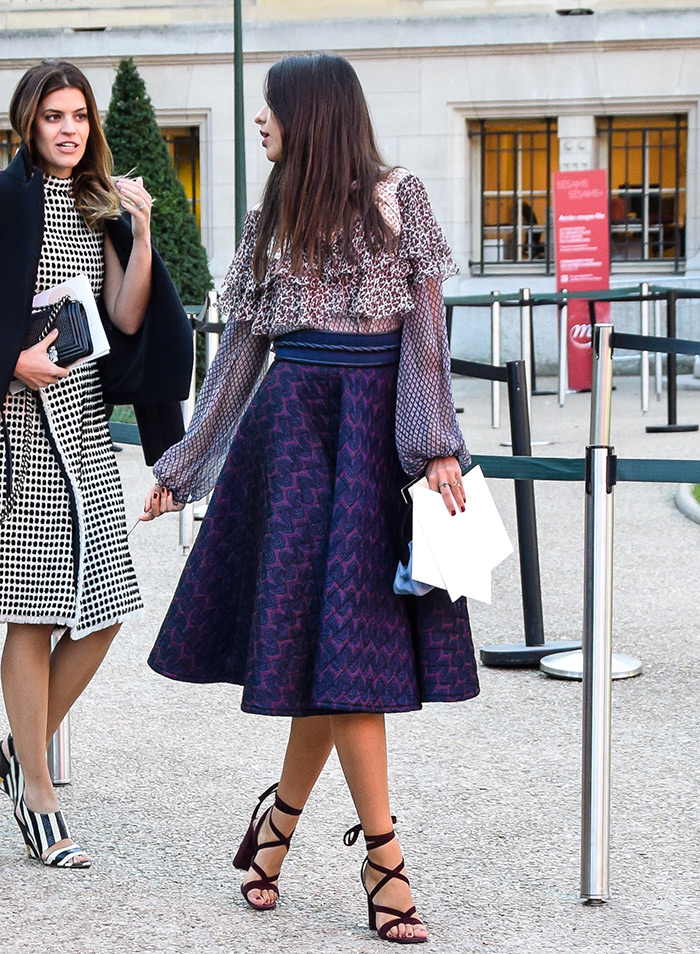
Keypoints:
pixel 159 500
pixel 35 369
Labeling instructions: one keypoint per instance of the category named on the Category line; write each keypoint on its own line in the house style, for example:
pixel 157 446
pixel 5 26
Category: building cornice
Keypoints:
pixel 476 35
pixel 363 39
pixel 512 49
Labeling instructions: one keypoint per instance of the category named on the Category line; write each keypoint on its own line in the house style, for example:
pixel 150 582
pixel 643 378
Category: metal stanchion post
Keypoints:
pixel 528 359
pixel 563 352
pixel 671 384
pixel 597 676
pixel 59 747
pixel 644 330
pixel 658 357
pixel 601 385
pixel 571 665
pixel 526 343
pixel 495 359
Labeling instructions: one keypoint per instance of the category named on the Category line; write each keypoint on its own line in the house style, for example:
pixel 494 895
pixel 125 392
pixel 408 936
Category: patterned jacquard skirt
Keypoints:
pixel 288 588
pixel 64 557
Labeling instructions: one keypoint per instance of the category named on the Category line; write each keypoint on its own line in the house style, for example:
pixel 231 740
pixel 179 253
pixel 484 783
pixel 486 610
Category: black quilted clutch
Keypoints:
pixel 73 341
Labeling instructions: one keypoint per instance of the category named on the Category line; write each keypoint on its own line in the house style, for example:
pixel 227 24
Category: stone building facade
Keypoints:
pixel 483 99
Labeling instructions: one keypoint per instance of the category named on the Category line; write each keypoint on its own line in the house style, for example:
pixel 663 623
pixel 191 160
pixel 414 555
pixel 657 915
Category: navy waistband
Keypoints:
pixel 339 348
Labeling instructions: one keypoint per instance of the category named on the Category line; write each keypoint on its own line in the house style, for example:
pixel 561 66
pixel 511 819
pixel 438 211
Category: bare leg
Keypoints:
pixel 310 743
pixel 39 687
pixel 26 666
pixel 360 740
pixel 73 664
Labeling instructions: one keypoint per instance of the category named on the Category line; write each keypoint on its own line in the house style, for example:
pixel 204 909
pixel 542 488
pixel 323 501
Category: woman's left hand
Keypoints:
pixel 159 500
pixel 137 202
pixel 445 475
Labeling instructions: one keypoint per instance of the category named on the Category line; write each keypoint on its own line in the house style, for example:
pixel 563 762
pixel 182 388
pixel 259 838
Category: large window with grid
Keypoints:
pixel 646 159
pixel 516 161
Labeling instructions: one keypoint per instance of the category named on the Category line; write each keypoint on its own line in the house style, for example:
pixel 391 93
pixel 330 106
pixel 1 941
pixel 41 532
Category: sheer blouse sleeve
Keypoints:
pixel 426 423
pixel 190 468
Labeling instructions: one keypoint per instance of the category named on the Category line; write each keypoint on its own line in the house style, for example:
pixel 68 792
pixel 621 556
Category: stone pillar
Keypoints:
pixel 577 143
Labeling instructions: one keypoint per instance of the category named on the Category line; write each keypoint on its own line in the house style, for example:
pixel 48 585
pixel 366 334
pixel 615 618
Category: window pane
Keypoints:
pixel 183 143
pixel 646 165
pixel 517 160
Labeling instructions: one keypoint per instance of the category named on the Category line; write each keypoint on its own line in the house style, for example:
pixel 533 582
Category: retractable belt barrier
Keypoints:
pixel 600 470
pixel 643 294
pixel 638 470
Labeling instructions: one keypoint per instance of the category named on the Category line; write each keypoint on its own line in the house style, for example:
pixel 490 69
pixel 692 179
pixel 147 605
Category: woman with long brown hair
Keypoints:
pixel 288 590
pixel 65 568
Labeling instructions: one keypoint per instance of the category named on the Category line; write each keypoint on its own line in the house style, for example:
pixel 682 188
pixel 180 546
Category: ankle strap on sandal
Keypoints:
pixel 371 841
pixel 282 806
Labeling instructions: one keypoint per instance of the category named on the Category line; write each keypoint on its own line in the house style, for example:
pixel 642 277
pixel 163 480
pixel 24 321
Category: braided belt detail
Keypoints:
pixel 340 349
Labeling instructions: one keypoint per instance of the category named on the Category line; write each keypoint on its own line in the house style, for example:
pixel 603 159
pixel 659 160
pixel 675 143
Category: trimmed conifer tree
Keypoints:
pixel 136 143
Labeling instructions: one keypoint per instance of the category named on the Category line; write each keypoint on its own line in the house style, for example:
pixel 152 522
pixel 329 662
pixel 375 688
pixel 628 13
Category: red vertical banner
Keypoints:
pixel 582 256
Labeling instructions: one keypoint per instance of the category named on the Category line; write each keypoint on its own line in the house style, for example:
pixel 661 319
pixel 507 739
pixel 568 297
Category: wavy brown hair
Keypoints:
pixel 96 197
pixel 324 183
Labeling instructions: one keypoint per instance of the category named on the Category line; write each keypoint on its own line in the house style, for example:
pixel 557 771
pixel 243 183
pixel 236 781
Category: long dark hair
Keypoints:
pixel 96 197
pixel 324 183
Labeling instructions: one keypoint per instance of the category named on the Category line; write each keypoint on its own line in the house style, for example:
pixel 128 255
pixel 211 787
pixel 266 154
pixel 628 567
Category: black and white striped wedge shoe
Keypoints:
pixel 10 772
pixel 5 769
pixel 42 831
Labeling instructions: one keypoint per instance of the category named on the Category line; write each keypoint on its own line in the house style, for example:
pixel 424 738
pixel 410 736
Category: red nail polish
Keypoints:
pixel 155 495
pixel 462 509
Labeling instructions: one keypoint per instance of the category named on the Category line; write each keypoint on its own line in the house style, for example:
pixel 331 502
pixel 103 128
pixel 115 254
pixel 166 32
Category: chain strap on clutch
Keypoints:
pixel 70 318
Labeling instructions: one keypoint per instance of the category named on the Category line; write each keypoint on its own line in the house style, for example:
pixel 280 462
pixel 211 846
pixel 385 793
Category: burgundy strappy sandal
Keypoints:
pixel 245 856
pixel 396 917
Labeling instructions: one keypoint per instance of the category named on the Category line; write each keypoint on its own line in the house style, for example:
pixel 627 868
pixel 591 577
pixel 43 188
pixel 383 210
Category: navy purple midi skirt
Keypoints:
pixel 288 588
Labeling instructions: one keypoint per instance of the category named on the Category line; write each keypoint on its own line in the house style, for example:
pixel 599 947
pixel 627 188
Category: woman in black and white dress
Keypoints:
pixel 64 560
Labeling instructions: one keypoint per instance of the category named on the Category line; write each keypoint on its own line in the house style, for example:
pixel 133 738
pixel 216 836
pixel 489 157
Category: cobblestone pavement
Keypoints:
pixel 487 792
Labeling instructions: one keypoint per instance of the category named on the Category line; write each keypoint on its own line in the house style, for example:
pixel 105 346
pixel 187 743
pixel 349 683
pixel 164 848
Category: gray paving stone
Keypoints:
pixel 487 792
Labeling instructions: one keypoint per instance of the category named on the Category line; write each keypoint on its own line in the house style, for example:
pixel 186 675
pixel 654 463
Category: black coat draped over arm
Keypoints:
pixel 151 369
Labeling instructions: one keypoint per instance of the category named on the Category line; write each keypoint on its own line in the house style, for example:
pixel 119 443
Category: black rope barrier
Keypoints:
pixel 633 470
pixel 475 369
pixel 626 342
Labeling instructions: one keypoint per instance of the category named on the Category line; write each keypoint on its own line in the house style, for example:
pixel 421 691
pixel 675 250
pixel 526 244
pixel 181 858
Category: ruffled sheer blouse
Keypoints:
pixel 393 289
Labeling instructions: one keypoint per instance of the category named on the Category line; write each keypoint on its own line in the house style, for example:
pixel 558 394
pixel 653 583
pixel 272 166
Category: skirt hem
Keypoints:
pixel 313 710
pixel 69 623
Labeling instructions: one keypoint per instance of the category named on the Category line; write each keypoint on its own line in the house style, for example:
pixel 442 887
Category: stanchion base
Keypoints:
pixel 535 442
pixel 671 428
pixel 513 655
pixel 570 666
